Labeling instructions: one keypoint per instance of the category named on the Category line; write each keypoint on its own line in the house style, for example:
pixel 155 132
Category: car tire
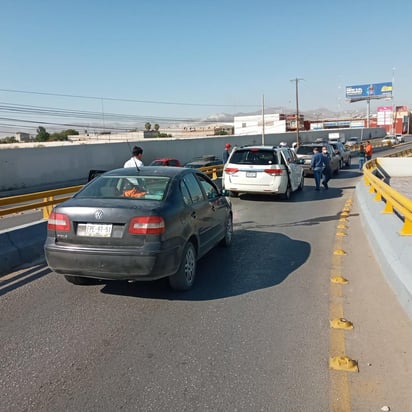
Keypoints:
pixel 288 192
pixel 234 194
pixel 227 240
pixel 302 183
pixel 79 280
pixel 184 278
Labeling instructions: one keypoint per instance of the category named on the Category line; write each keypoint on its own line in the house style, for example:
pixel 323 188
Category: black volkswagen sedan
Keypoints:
pixel 130 224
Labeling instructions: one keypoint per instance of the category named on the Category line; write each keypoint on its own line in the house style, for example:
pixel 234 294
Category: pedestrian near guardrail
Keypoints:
pixel 362 155
pixel 226 152
pixel 368 150
pixel 136 159
pixel 327 171
pixel 317 164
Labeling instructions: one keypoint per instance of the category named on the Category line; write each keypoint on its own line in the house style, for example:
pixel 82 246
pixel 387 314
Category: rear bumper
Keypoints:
pixel 113 264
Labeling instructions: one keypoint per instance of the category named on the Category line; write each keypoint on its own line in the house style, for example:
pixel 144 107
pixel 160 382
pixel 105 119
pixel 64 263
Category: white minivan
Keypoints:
pixel 263 170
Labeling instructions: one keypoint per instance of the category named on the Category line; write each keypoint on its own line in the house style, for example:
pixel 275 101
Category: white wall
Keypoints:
pixel 47 165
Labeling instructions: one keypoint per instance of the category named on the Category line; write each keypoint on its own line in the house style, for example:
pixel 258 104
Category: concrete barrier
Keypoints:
pixel 392 251
pixel 21 245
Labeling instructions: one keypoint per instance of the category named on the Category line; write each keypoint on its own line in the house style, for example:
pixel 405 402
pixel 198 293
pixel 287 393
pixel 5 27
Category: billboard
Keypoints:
pixel 369 91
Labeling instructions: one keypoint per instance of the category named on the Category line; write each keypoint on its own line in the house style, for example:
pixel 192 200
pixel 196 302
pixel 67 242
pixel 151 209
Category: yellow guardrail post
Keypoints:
pixel 393 200
pixel 47 209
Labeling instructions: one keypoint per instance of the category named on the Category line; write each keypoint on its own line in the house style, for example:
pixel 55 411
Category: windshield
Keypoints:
pixel 127 187
pixel 306 150
pixel 254 157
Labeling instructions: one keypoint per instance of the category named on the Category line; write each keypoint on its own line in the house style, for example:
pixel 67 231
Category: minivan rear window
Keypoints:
pixel 255 157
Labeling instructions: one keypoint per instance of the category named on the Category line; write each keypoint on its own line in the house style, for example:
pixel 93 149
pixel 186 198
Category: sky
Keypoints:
pixel 98 63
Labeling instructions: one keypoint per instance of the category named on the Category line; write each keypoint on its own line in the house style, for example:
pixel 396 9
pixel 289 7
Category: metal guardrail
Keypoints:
pixel 47 199
pixel 32 201
pixel 394 202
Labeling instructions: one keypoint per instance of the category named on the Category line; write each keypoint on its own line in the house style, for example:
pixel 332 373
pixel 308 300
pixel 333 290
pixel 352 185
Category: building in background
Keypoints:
pixel 24 137
pixel 251 125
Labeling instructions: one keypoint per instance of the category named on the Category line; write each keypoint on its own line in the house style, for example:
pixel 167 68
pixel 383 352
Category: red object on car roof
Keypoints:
pixel 167 161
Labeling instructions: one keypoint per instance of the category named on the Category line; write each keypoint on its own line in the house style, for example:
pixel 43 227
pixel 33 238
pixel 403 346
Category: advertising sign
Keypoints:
pixel 369 91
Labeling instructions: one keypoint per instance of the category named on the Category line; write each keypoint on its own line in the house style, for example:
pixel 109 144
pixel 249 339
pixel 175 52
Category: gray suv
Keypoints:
pixel 345 155
pixel 305 153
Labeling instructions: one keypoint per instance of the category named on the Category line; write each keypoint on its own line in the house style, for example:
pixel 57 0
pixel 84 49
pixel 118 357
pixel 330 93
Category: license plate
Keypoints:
pixel 250 174
pixel 94 230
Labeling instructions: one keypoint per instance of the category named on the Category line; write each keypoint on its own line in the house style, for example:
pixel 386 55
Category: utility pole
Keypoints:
pixel 297 108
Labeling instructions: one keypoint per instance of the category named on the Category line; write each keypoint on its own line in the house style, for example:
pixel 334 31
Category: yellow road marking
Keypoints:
pixel 339 363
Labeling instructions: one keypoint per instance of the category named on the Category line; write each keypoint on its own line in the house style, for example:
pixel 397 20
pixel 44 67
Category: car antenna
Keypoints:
pixel 134 160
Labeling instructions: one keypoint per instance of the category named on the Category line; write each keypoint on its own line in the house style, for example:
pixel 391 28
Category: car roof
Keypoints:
pixel 260 147
pixel 315 144
pixel 164 159
pixel 167 171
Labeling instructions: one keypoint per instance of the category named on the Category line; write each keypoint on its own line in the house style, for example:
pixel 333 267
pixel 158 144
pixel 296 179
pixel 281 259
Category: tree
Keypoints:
pixel 156 127
pixel 63 135
pixel 42 135
pixel 148 126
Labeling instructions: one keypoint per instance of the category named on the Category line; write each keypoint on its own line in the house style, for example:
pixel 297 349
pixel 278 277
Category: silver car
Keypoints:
pixel 305 153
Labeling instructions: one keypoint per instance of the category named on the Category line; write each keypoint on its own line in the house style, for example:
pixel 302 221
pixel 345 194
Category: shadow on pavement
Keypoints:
pixel 7 284
pixel 222 273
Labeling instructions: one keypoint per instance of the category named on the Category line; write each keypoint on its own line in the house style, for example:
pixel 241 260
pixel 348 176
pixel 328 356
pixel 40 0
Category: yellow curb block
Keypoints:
pixel 341 234
pixel 341 323
pixel 339 252
pixel 342 226
pixel 340 280
pixel 343 363
pixel 344 214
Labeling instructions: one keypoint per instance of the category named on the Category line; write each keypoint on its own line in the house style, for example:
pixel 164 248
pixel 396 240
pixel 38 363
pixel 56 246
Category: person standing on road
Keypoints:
pixel 136 159
pixel 368 150
pixel 362 155
pixel 226 152
pixel 317 165
pixel 327 171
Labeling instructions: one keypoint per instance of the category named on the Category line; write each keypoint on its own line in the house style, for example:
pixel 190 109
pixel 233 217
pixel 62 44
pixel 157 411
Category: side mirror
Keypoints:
pixel 225 192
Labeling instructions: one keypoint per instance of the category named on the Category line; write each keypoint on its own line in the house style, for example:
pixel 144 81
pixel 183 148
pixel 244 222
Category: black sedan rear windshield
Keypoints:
pixel 127 187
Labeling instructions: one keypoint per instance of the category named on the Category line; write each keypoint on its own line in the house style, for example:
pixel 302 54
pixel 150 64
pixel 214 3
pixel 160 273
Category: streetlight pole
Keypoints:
pixel 297 109
pixel 393 104
pixel 263 119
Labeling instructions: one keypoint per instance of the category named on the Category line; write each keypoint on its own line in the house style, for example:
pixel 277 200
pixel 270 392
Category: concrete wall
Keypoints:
pixel 396 166
pixel 50 164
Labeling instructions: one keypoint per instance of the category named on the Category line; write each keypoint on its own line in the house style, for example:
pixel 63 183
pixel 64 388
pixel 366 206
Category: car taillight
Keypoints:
pixel 147 225
pixel 276 172
pixel 231 170
pixel 58 221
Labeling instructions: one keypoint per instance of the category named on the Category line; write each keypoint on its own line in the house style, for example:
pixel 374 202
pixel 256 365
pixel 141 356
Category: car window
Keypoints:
pixel 305 150
pixel 185 193
pixel 193 188
pixel 254 157
pixel 127 187
pixel 172 162
pixel 210 190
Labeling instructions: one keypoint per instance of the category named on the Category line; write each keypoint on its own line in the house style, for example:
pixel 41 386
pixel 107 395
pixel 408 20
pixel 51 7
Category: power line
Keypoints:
pixel 124 99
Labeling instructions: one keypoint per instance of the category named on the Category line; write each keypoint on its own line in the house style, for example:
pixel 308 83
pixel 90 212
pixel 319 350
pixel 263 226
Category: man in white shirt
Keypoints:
pixel 136 159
